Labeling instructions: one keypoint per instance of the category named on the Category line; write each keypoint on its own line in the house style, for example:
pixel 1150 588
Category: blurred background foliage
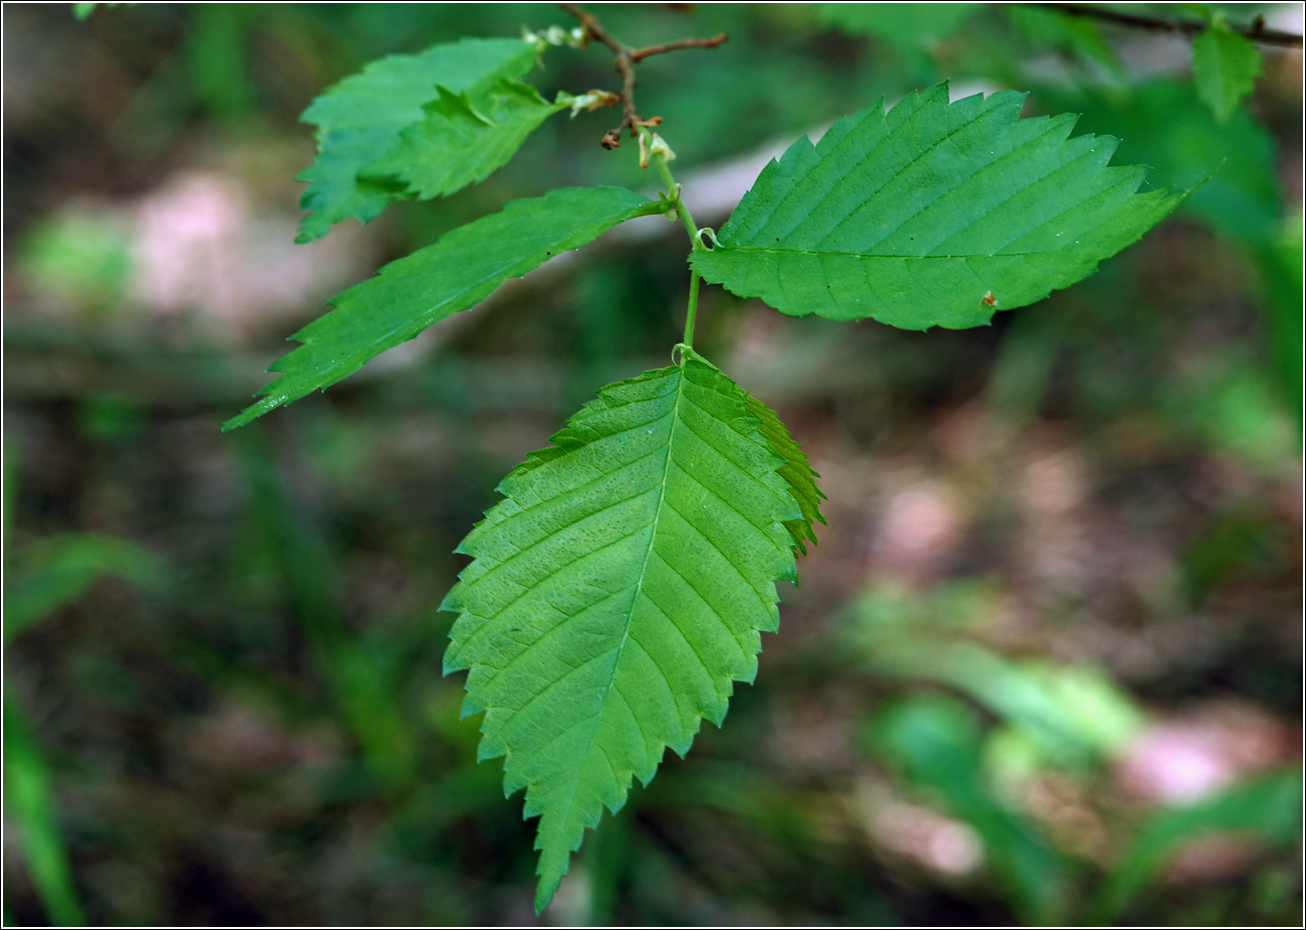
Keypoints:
pixel 1044 666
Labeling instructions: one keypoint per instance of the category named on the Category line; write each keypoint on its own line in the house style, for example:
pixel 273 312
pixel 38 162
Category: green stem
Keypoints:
pixel 695 244
pixel 693 309
pixel 682 211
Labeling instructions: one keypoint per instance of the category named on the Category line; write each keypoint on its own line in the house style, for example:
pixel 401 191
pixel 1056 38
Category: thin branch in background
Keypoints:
pixel 626 59
pixel 641 54
pixel 1256 31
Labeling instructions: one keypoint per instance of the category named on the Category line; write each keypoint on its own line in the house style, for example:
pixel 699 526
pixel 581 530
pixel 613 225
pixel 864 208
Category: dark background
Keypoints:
pixel 1045 664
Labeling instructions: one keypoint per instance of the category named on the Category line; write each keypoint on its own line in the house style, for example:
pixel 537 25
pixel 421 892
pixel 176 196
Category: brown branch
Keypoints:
pixel 626 59
pixel 641 54
pixel 1256 32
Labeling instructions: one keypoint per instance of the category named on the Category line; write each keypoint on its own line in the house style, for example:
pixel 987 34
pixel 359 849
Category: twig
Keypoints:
pixel 1256 32
pixel 626 59
pixel 641 54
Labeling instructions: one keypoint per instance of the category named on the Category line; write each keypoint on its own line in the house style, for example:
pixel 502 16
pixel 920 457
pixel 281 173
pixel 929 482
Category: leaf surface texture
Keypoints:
pixel 461 269
pixel 618 590
pixel 932 214
pixel 461 141
pixel 360 120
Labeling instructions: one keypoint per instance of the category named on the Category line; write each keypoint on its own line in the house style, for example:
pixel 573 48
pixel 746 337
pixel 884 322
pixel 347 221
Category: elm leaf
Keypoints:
pixel 932 214
pixel 618 591
pixel 457 272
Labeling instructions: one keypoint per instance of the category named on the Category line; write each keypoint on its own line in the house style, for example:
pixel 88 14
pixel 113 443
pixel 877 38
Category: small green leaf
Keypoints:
pixel 1225 67
pixel 361 118
pixel 933 214
pixel 464 267
pixel 617 592
pixel 462 141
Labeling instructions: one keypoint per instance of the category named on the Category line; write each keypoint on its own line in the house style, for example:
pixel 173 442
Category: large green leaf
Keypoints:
pixel 1225 67
pixel 617 592
pixel 462 268
pixel 461 141
pixel 360 119
pixel 932 214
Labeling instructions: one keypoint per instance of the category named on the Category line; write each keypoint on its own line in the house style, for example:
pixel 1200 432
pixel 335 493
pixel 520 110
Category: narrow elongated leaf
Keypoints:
pixel 454 274
pixel 618 590
pixel 29 800
pixel 460 141
pixel 1225 67
pixel 1268 809
pixel 797 473
pixel 360 120
pixel 933 214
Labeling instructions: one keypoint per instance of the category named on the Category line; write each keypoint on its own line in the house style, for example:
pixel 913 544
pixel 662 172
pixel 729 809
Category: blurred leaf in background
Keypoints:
pixel 935 742
pixel 29 802
pixel 1225 66
pixel 1268 810
pixel 40 578
pixel 43 576
pixel 81 257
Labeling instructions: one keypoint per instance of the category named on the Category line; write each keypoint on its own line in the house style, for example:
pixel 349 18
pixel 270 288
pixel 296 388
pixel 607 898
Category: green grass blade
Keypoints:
pixel 28 802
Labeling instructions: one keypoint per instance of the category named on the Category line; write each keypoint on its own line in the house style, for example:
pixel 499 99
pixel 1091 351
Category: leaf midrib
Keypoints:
pixel 639 586
pixel 726 250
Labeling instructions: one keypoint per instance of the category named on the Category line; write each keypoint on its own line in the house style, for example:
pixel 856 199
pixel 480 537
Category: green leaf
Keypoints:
pixel 462 141
pixel 1225 66
pixel 1078 35
pixel 907 25
pixel 933 214
pixel 1280 261
pixel 1269 809
pixel 83 10
pixel 360 120
pixel 618 590
pixel 797 473
pixel 29 801
pixel 1164 125
pixel 45 575
pixel 935 741
pixel 458 271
